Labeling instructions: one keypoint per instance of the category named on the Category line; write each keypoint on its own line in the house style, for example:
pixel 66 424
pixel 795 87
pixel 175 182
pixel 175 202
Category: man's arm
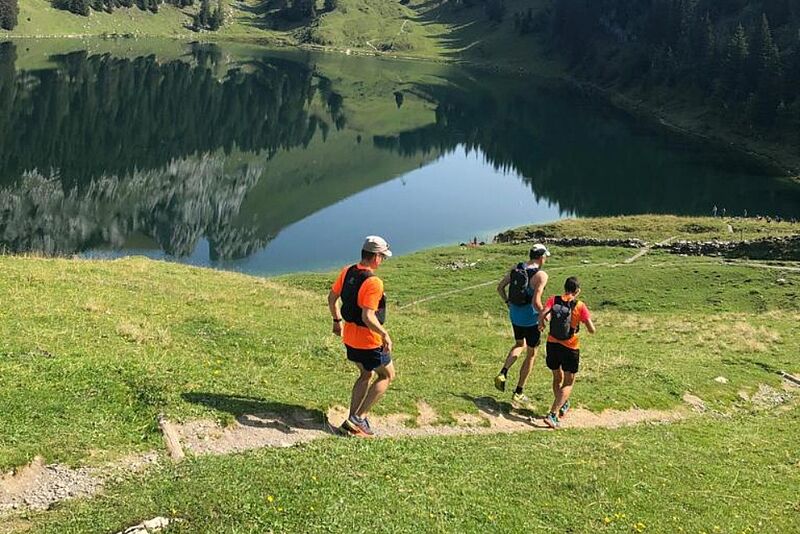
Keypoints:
pixel 501 287
pixel 543 317
pixel 539 283
pixel 335 313
pixel 372 322
pixel 590 326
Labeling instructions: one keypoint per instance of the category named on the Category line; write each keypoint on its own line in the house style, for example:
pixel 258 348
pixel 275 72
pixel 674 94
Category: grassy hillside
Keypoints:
pixel 420 29
pixel 659 228
pixel 92 351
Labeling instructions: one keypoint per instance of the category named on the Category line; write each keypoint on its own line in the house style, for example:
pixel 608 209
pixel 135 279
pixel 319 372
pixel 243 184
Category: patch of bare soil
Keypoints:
pixel 11 526
pixel 252 432
pixel 768 397
pixel 695 402
pixel 285 430
pixel 37 486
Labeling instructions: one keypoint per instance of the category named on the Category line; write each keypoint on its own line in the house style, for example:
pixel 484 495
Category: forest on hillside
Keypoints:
pixel 741 57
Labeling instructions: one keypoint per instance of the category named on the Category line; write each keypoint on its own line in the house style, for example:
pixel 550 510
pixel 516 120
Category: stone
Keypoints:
pixel 156 523
pixel 721 380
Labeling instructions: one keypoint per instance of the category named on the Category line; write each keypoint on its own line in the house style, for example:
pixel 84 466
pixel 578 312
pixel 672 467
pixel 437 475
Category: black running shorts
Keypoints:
pixel 371 359
pixel 561 357
pixel 530 334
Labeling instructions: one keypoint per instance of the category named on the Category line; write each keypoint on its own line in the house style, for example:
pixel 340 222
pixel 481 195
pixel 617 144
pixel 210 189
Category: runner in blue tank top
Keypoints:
pixel 525 284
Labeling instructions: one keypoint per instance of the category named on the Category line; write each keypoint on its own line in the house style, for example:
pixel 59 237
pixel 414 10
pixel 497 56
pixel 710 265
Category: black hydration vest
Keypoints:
pixel 561 319
pixel 353 280
pixel 519 290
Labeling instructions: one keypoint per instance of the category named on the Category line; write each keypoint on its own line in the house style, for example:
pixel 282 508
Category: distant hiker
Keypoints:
pixel 723 212
pixel 714 211
pixel 525 282
pixel 366 340
pixel 745 213
pixel 566 314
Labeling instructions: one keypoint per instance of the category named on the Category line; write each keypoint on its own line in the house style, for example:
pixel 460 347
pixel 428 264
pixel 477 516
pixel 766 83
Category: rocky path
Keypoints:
pixel 37 486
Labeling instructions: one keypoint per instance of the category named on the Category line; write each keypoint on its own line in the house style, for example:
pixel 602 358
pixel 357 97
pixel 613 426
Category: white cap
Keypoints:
pixel 538 250
pixel 376 244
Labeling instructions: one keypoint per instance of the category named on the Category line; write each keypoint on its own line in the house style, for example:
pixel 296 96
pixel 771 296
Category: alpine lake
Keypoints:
pixel 271 161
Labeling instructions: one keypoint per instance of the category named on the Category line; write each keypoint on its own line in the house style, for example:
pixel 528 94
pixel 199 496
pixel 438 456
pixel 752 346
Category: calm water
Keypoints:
pixel 266 162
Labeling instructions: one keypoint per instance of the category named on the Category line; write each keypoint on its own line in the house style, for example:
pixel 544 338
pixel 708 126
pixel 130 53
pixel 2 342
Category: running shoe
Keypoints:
pixel 367 426
pixel 521 401
pixel 500 382
pixel 563 410
pixel 357 427
pixel 552 420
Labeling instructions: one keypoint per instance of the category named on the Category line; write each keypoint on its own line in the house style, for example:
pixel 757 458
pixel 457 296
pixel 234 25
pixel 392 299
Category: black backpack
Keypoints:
pixel 561 319
pixel 353 281
pixel 519 292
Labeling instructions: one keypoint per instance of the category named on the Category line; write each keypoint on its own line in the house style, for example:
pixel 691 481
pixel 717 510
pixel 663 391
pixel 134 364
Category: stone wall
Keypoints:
pixel 768 248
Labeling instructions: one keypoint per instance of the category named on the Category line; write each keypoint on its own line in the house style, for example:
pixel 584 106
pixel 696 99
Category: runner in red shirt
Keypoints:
pixel 566 314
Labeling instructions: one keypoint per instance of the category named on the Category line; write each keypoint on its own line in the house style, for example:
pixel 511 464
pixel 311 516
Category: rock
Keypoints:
pixel 781 281
pixel 695 402
pixel 148 527
pixel 156 523
pixel 721 380
pixel 538 237
pixel 773 248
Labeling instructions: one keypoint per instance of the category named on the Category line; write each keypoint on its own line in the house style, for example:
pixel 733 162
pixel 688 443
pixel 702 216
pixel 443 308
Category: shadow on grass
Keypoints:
pixel 261 413
pixel 494 408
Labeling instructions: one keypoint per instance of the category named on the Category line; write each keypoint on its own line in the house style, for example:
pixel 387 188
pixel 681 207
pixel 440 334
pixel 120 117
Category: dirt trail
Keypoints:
pixel 626 262
pixel 647 249
pixel 38 486
pixel 285 430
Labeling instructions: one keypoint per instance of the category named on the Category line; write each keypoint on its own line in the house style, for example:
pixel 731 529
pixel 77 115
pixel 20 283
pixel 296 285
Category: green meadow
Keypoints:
pixel 93 351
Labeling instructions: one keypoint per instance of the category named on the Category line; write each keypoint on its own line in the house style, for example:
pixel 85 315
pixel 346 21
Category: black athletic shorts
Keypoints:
pixel 530 334
pixel 371 359
pixel 561 357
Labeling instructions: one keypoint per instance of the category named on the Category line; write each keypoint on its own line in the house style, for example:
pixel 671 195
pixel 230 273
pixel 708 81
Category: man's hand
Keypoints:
pixel 337 328
pixel 387 343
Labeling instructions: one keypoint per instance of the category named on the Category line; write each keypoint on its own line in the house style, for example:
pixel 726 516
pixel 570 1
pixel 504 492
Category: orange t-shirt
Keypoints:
pixel 579 315
pixel 369 297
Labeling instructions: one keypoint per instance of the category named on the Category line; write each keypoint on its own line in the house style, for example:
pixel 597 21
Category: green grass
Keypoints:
pixel 655 228
pixel 37 18
pixel 91 352
pixel 420 29
pixel 727 476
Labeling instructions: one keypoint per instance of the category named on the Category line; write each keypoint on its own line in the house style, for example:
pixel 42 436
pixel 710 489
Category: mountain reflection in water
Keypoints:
pixel 106 153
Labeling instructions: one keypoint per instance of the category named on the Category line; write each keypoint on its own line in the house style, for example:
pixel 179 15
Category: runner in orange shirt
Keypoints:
pixel 366 340
pixel 566 314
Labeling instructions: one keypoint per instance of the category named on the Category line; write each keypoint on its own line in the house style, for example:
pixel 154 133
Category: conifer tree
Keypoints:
pixel 216 18
pixel 9 12
pixel 769 74
pixel 734 80
pixel 203 17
